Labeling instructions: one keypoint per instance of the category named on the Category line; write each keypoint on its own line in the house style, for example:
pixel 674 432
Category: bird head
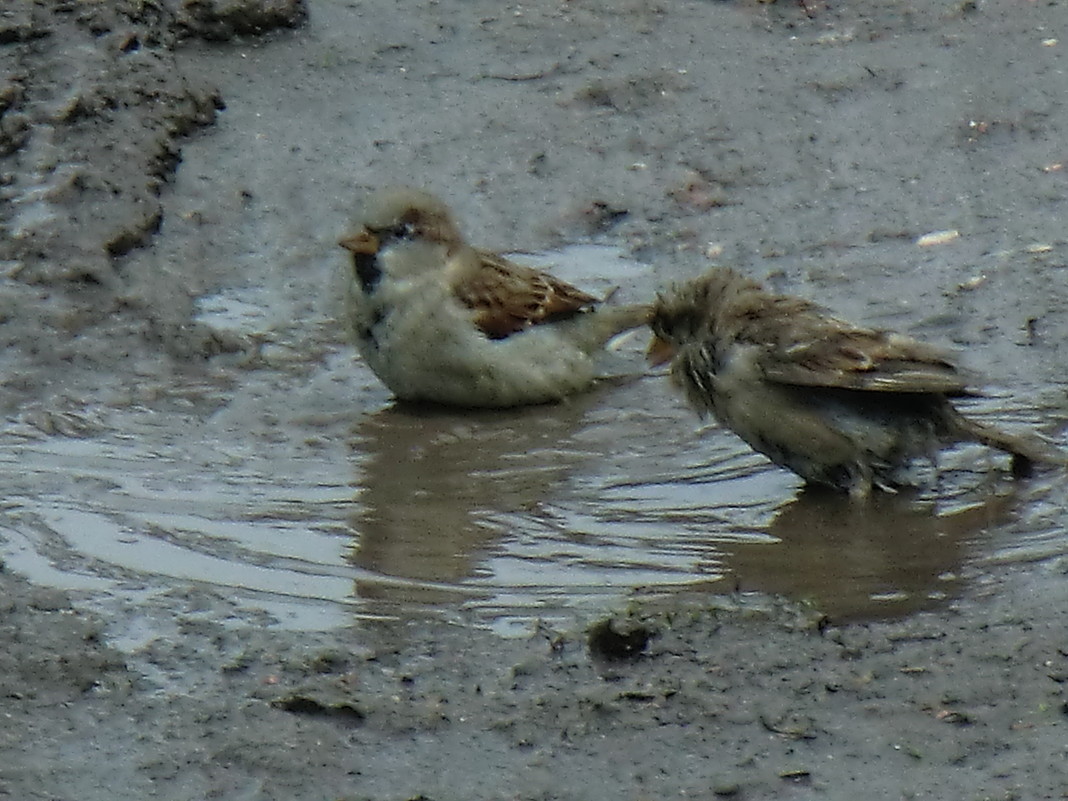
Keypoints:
pixel 400 217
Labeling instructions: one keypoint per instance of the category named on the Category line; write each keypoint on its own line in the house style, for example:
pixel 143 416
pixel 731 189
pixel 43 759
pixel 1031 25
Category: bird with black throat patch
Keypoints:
pixel 440 321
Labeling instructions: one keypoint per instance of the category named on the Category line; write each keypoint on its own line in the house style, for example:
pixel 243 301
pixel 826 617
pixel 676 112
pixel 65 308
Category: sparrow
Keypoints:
pixel 440 321
pixel 840 405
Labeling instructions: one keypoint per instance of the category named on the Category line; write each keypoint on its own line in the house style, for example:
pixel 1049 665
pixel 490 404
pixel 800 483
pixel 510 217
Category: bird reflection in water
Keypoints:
pixel 434 481
pixel 890 557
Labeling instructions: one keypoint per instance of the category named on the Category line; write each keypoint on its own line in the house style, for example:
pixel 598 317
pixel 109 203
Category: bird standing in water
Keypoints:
pixel 840 405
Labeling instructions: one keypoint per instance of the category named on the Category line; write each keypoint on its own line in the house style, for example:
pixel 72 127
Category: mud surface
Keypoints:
pixel 232 569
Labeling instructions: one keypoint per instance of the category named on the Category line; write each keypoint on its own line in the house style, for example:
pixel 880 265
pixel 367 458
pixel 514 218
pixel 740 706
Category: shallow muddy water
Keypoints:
pixel 307 493
pixel 289 478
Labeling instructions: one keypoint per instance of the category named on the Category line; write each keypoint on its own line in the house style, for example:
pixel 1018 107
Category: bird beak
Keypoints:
pixel 362 241
pixel 659 352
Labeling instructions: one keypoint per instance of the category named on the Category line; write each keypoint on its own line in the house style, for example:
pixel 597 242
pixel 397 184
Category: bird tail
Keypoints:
pixel 1026 449
pixel 609 321
pixel 624 318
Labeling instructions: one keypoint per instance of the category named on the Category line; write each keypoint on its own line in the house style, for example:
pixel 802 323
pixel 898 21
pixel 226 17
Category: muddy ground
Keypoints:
pixel 154 154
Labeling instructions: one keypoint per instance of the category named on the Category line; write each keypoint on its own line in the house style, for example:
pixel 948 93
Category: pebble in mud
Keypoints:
pixel 618 640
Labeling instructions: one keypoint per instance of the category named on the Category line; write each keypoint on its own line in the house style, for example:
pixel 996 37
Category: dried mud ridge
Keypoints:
pixel 92 113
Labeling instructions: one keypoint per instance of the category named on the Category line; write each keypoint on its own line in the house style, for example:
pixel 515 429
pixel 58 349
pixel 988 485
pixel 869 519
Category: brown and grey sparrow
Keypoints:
pixel 840 405
pixel 439 321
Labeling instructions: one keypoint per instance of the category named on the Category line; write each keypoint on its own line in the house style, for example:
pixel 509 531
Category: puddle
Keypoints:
pixel 305 493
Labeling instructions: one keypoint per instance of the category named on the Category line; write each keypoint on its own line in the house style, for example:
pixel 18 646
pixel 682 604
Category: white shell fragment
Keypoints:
pixel 937 238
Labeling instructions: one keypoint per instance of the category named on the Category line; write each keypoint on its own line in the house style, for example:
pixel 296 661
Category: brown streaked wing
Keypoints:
pixel 507 297
pixel 866 360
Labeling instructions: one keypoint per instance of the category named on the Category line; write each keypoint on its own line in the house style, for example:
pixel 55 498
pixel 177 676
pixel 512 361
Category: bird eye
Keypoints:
pixel 398 231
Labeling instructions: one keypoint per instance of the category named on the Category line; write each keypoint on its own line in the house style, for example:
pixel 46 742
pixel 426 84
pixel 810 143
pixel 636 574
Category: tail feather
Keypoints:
pixel 627 317
pixel 1026 449
pixel 608 321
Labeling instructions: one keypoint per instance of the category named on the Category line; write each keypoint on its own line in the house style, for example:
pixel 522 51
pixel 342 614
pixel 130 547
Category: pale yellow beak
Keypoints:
pixel 659 352
pixel 361 242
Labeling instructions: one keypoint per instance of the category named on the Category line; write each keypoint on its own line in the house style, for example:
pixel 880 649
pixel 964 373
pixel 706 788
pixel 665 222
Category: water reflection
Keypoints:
pixel 512 516
pixel 435 483
pixel 525 513
pixel 892 556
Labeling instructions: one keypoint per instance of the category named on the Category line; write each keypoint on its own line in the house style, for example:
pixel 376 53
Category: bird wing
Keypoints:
pixel 506 298
pixel 835 354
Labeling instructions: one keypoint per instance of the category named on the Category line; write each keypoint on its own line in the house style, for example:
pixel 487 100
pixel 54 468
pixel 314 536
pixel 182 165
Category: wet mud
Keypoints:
pixel 233 568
